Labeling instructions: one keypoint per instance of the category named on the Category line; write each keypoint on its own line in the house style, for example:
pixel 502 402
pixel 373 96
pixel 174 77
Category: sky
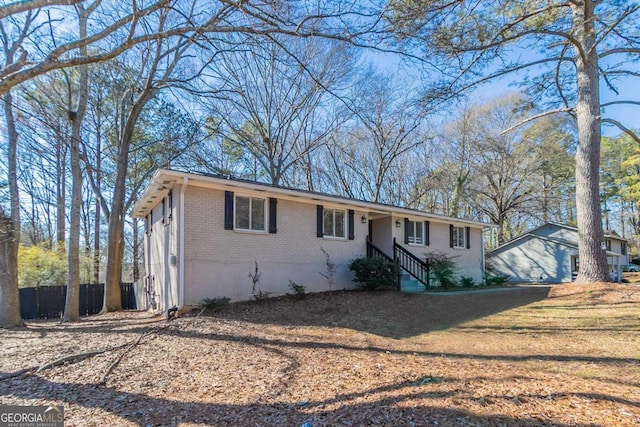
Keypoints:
pixel 628 115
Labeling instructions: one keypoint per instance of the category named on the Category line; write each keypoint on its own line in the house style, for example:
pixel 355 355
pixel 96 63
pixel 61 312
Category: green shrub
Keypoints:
pixel 298 290
pixel 372 273
pixel 214 303
pixel 442 268
pixel 466 282
pixel 496 279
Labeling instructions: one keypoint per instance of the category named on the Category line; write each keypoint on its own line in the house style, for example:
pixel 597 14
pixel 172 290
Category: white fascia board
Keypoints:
pixel 163 177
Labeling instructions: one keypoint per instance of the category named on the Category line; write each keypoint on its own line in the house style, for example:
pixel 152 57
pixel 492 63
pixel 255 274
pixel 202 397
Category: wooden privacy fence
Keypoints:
pixel 47 302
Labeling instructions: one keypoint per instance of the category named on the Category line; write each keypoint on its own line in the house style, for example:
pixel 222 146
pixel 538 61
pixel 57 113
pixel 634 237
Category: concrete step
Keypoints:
pixel 411 286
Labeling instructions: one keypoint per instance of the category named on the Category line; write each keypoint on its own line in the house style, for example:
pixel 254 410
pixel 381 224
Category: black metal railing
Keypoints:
pixel 375 252
pixel 413 265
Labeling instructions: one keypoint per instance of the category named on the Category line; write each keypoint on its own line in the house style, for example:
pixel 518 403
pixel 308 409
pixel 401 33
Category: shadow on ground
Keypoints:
pixel 385 313
pixel 380 409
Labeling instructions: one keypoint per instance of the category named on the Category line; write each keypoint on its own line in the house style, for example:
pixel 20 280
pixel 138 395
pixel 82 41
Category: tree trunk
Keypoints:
pixel 10 230
pixel 9 294
pixel 96 235
pixel 72 304
pixel 593 261
pixel 545 198
pixel 115 251
pixel 61 196
pixel 115 240
pixel 457 192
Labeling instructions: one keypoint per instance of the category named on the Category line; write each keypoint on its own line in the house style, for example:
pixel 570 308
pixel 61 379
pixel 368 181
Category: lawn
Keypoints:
pixel 540 356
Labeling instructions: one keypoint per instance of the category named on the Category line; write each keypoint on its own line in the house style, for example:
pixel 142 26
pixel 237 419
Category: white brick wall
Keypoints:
pixel 468 262
pixel 218 261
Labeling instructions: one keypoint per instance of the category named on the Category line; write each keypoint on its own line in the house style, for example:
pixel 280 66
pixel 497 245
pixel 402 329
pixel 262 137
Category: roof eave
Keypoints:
pixel 146 201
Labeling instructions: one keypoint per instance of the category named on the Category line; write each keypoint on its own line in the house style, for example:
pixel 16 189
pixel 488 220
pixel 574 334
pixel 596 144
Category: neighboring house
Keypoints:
pixel 205 234
pixel 549 254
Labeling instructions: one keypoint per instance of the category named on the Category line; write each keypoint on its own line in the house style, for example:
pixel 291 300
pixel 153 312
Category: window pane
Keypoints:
pixel 458 237
pixel 339 218
pixel 327 222
pixel 242 213
pixel 411 237
pixel 257 214
pixel 418 232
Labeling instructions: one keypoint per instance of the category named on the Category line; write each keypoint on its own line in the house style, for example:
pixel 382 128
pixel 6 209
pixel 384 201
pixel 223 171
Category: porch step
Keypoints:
pixel 410 285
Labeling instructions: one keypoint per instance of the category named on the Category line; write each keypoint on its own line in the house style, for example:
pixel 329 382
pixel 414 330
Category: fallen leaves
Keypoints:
pixel 528 357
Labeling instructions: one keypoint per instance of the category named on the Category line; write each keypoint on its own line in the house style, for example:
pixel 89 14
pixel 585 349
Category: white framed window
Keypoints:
pixel 250 213
pixel 416 232
pixel 459 237
pixel 333 223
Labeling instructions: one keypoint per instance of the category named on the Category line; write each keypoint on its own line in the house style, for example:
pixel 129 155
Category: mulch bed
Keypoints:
pixel 542 356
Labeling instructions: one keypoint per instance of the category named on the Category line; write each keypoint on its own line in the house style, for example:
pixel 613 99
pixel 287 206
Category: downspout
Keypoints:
pixel 150 290
pixel 482 258
pixel 167 268
pixel 183 190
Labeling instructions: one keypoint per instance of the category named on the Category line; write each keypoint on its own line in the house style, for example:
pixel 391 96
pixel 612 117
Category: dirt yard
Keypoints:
pixel 541 356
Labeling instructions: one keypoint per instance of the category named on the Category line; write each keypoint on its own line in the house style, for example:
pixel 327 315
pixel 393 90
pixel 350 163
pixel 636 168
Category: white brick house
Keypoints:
pixel 204 235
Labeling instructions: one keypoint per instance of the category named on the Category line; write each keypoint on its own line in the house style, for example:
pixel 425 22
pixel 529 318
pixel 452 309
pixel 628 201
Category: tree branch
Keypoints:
pixel 624 129
pixel 24 6
pixel 626 102
pixel 535 117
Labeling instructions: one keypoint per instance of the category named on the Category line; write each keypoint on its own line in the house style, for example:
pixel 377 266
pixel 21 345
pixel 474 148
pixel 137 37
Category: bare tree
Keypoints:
pixel 388 126
pixel 13 36
pixel 274 101
pixel 72 305
pixel 503 164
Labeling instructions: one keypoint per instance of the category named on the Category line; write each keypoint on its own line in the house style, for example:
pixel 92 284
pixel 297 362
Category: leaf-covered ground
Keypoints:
pixel 567 355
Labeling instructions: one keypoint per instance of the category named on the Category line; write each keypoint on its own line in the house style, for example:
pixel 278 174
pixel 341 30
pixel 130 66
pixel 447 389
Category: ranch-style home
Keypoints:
pixel 206 234
pixel 549 254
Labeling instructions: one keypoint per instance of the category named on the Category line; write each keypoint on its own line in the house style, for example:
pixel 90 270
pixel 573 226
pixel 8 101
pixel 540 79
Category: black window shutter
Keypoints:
pixel 406 231
pixel 273 215
pixel 319 214
pixel 451 235
pixel 228 210
pixel 352 231
pixel 162 213
pixel 468 237
pixel 426 233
